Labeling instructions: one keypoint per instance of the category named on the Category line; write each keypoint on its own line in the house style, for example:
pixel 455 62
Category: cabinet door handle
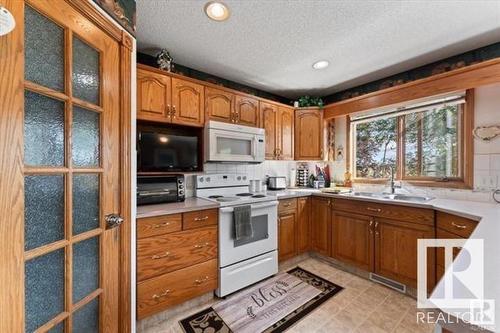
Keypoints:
pixel 200 246
pixel 458 226
pixel 378 210
pixel 202 280
pixel 174 111
pixel 169 111
pixel 163 294
pixel 198 219
pixel 161 225
pixel 160 256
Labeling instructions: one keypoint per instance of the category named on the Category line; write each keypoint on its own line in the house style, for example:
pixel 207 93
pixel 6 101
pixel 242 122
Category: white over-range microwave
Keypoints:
pixel 234 143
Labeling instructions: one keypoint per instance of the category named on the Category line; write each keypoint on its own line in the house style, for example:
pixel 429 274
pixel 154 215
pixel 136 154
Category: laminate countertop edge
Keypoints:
pixel 189 205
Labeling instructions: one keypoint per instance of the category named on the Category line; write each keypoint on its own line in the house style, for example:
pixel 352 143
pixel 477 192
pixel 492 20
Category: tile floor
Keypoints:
pixel 363 306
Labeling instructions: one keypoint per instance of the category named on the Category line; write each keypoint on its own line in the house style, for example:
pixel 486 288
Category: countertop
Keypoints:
pixel 188 205
pixel 488 230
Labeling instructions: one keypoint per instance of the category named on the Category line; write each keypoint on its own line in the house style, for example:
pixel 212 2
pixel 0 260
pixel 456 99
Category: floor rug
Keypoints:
pixel 272 305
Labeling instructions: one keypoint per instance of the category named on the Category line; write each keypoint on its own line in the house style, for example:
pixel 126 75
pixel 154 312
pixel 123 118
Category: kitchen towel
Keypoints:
pixel 243 222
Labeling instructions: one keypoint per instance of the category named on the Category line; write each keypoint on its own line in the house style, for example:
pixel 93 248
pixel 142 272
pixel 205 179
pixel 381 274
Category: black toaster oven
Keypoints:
pixel 160 189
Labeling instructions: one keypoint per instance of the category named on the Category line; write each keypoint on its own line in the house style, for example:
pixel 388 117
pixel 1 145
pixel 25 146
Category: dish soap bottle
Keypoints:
pixel 347 179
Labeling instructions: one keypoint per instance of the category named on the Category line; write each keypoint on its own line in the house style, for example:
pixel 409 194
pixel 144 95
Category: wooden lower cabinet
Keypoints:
pixel 303 224
pixel 396 250
pixel 287 246
pixel 176 259
pixel 352 239
pixel 321 225
pixel 159 293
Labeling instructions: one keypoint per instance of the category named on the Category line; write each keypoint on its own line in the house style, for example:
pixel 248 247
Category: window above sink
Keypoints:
pixel 425 143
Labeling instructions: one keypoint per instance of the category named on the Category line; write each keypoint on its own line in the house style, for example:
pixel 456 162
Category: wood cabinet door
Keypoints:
pixel 308 134
pixel 321 225
pixel 247 110
pixel 396 250
pixel 153 96
pixel 287 247
pixel 352 239
pixel 303 224
pixel 219 105
pixel 187 103
pixel 285 133
pixel 269 122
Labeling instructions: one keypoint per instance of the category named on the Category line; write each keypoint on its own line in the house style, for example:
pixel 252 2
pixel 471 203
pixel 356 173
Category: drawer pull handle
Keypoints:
pixel 160 256
pixel 200 281
pixel 200 246
pixel 163 294
pixel 161 225
pixel 287 205
pixel 378 210
pixel 197 219
pixel 458 226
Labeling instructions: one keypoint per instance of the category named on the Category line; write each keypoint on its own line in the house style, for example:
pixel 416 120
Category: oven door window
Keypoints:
pixel 234 146
pixel 260 230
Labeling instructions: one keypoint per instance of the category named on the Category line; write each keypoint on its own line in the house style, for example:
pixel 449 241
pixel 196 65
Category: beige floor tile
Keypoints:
pixel 348 318
pixel 334 326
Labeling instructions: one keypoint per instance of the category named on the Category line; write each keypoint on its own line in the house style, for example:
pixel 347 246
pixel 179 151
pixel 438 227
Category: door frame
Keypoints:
pixel 11 165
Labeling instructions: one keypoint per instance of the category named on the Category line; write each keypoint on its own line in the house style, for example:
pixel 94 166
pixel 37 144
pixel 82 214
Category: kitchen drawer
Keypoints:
pixel 166 253
pixel 158 225
pixel 159 293
pixel 287 204
pixel 457 225
pixel 389 211
pixel 200 218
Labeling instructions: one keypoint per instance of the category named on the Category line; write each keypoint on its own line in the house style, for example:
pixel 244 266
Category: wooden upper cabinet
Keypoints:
pixel 269 122
pixel 187 102
pixel 308 134
pixel 153 95
pixel 285 133
pixel 352 239
pixel 219 105
pixel 247 110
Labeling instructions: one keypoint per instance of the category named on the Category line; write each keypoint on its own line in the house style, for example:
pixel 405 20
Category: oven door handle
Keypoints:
pixel 257 206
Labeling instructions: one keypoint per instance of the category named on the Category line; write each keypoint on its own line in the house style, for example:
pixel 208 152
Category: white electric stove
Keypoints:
pixel 245 261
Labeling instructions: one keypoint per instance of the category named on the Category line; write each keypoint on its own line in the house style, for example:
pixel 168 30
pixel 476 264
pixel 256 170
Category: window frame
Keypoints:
pixel 466 153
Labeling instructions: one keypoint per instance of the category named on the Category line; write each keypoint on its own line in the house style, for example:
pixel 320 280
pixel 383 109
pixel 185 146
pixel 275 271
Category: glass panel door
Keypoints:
pixel 71 178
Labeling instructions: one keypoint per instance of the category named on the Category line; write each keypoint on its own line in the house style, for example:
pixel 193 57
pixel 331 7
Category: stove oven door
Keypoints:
pixel 264 239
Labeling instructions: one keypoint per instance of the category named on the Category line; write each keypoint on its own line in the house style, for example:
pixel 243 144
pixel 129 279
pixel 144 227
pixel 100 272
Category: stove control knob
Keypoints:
pixel 239 178
pixel 201 179
pixel 208 179
pixel 244 177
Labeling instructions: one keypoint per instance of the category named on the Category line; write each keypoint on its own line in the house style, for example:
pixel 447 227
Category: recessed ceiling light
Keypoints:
pixel 321 64
pixel 217 11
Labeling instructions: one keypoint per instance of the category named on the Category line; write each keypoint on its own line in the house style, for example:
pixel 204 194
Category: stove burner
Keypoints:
pixel 227 199
pixel 244 194
pixel 258 196
pixel 215 196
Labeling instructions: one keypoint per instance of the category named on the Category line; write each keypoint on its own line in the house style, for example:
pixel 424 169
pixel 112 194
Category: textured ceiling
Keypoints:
pixel 271 44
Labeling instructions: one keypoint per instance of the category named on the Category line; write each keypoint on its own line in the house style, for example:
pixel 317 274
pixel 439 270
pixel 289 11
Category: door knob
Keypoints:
pixel 113 221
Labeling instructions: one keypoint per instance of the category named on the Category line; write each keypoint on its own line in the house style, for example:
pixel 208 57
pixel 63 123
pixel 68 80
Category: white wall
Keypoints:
pixel 487 154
